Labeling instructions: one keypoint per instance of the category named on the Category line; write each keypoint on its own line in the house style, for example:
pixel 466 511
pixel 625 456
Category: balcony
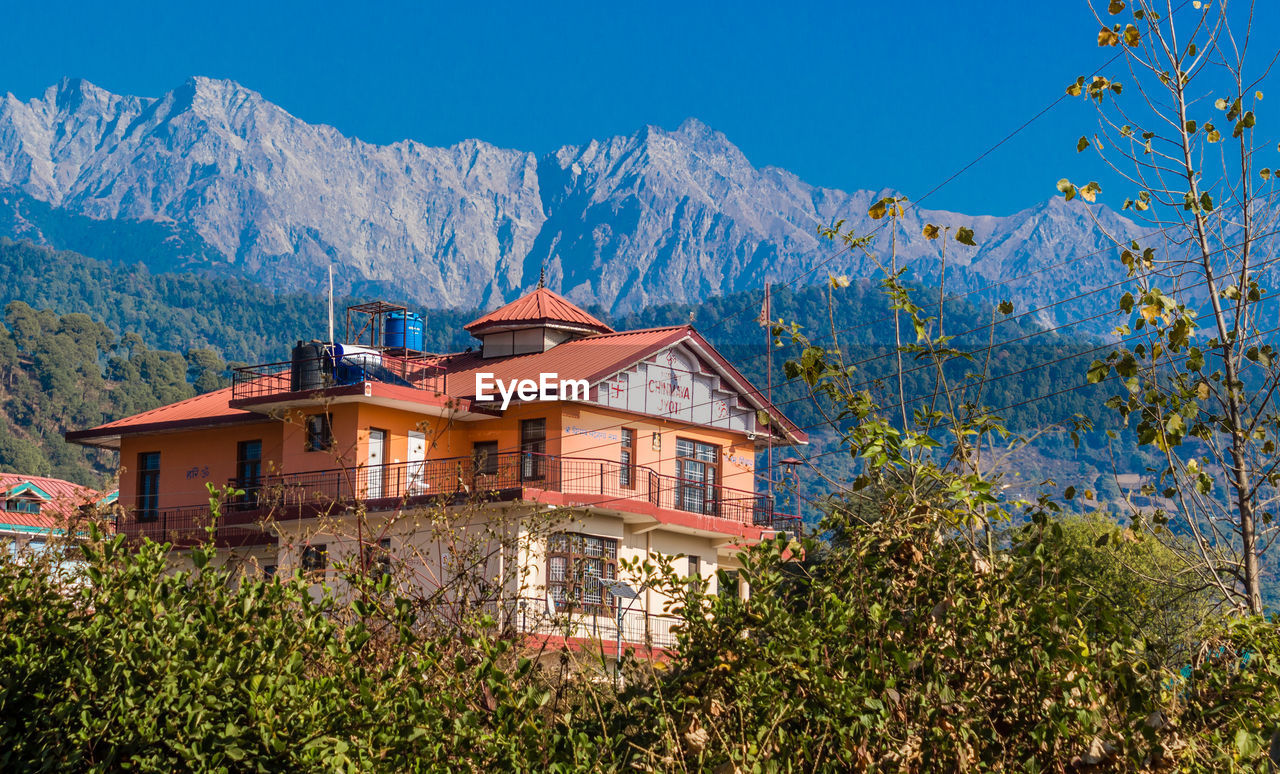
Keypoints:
pixel 552 479
pixel 272 380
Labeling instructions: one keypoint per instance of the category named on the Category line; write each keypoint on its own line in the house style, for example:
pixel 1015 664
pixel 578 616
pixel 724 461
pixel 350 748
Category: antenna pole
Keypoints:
pixel 766 315
pixel 331 304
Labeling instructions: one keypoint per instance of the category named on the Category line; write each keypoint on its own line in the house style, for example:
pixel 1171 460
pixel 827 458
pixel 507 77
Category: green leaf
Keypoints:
pixel 1115 7
pixel 1206 201
pixel 965 236
pixel 1190 126
pixel 1081 144
pixel 1067 189
pixel 1098 371
pixel 1005 307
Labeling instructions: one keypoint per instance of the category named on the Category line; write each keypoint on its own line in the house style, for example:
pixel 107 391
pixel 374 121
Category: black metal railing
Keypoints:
pixel 602 483
pixel 306 374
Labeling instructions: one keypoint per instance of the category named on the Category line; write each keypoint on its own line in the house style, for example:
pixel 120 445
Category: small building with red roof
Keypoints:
pixel 34 509
pixel 634 445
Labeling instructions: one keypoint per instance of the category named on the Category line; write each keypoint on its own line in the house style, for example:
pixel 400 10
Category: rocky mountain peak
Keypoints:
pixel 658 215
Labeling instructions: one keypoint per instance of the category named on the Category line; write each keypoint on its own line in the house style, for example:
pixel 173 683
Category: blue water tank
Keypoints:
pixel 404 330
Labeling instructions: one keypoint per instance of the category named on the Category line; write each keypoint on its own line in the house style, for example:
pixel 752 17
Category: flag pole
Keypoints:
pixel 768 351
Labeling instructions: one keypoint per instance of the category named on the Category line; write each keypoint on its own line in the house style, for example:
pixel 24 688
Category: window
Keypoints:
pixel 694 571
pixel 148 486
pixel 575 563
pixel 249 471
pixel 377 559
pixel 533 449
pixel 696 468
pixel 315 559
pixel 22 506
pixel 729 584
pixel 485 456
pixel 319 433
pixel 627 460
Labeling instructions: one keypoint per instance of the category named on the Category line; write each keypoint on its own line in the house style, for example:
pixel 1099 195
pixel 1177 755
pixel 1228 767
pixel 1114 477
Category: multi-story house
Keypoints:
pixel 556 450
pixel 35 510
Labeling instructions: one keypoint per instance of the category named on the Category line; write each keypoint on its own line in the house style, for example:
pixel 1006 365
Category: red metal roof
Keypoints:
pixel 591 358
pixel 594 358
pixel 211 408
pixel 539 307
pixel 66 500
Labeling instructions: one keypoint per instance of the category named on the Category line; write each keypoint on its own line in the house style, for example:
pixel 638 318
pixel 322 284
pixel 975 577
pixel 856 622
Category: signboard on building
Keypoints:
pixel 674 385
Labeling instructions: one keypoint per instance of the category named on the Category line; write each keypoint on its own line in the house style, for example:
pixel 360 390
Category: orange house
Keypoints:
pixel 562 448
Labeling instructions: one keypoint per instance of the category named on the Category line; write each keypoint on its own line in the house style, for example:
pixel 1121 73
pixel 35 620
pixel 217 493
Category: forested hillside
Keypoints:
pixel 243 321
pixel 60 372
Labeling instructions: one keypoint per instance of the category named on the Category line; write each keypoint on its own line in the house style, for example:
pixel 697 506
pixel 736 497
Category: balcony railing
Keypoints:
pixel 638 627
pixel 305 374
pixel 601 483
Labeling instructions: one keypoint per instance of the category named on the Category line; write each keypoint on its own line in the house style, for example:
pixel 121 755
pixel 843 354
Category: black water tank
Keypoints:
pixel 306 366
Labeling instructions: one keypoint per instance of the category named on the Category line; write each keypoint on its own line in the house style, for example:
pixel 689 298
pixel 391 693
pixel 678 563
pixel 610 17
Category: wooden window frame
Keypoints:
pixel 572 591
pixel 148 497
pixel 314 561
pixel 378 556
pixel 484 458
pixel 533 450
pixel 627 459
pixel 710 484
pixel 319 439
pixel 248 473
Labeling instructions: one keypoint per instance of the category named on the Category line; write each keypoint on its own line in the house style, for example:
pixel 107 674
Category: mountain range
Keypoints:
pixel 213 178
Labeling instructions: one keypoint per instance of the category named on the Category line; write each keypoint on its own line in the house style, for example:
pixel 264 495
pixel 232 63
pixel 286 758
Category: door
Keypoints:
pixel 696 464
pixel 249 472
pixel 377 455
pixel 533 448
pixel 417 462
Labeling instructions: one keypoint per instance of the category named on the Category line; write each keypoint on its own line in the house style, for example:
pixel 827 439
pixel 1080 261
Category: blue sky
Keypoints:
pixel 849 95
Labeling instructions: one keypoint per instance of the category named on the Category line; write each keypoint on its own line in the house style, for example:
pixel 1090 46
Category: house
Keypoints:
pixel 34 509
pixel 558 450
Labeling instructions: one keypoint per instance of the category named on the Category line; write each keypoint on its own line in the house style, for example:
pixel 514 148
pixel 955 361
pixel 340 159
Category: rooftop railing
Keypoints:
pixel 314 373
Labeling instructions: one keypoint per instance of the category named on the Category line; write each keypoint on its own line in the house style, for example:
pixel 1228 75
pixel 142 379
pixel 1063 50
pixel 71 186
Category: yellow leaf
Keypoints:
pixel 1132 36
pixel 930 231
pixel 1108 37
pixel 1116 7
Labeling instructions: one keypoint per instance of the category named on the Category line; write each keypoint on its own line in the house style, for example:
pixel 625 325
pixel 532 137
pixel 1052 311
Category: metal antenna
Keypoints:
pixel 542 276
pixel 331 303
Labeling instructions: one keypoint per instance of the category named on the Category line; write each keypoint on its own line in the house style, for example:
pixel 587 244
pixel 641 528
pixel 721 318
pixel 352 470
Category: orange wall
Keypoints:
pixel 189 460
pixel 595 432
